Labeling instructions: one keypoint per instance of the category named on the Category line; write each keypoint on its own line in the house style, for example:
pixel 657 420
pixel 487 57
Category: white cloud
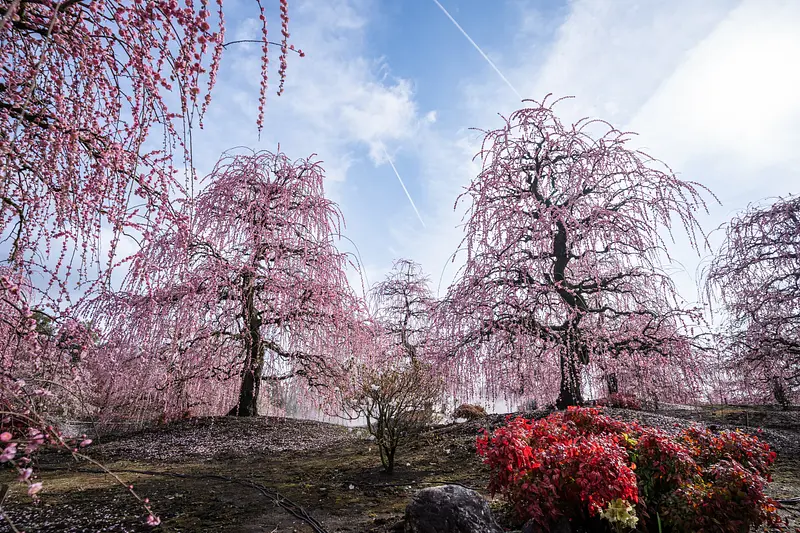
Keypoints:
pixel 737 96
pixel 338 99
pixel 610 55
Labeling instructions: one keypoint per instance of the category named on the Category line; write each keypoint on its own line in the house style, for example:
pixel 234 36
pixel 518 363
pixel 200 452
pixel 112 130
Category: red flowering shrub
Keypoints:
pixel 607 474
pixel 728 498
pixel 509 454
pixel 710 448
pixel 663 465
pixel 620 400
pixel 559 466
pixel 583 474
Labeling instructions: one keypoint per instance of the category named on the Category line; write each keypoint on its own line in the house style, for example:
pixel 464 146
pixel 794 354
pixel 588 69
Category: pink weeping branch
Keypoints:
pixel 83 89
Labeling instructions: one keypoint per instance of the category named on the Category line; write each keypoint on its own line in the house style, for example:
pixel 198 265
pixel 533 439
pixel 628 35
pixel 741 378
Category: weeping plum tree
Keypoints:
pixel 563 253
pixel 83 87
pixel 757 274
pixel 97 102
pixel 257 283
pixel 404 308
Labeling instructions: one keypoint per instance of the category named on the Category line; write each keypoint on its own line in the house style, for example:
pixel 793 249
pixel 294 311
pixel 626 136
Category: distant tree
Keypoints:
pixel 563 255
pixel 757 275
pixel 404 307
pixel 257 284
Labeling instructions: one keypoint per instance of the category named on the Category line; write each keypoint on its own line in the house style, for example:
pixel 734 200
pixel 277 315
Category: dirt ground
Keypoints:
pixel 264 475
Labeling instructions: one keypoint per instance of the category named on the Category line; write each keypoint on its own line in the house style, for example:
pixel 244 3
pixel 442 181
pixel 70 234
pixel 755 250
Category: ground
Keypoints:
pixel 224 474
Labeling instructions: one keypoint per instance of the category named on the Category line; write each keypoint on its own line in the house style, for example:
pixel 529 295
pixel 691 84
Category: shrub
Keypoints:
pixel 551 468
pixel 606 474
pixel 663 465
pixel 620 400
pixel 396 401
pixel 748 450
pixel 470 412
pixel 727 498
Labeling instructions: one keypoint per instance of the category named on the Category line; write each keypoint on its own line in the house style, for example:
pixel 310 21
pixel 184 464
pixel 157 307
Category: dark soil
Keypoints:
pixel 231 475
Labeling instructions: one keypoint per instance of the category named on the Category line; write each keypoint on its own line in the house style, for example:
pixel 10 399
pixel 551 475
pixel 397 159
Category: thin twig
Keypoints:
pixel 257 41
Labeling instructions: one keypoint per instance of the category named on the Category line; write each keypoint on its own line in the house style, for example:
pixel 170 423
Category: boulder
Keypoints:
pixel 449 509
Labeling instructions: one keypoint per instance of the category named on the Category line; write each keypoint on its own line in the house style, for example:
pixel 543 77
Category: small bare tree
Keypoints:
pixel 397 402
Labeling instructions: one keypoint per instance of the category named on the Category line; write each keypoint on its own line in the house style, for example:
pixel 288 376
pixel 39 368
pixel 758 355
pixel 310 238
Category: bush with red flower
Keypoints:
pixel 608 475
pixel 728 497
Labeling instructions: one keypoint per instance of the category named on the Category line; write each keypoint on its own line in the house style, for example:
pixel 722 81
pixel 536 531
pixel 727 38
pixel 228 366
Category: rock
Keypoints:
pixel 449 509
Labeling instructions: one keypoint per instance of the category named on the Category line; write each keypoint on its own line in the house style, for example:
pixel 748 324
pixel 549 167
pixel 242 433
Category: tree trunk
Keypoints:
pixel 576 350
pixel 570 393
pixel 779 393
pixel 387 457
pixel 390 459
pixel 254 360
pixel 248 394
pixel 612 384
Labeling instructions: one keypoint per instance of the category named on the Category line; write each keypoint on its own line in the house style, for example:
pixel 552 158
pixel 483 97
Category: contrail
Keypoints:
pixel 402 184
pixel 478 48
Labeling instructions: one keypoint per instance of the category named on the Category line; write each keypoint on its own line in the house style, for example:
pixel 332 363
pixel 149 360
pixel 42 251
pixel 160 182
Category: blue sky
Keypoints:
pixel 709 86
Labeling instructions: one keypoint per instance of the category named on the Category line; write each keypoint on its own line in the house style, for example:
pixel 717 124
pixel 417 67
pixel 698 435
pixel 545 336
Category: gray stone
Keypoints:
pixel 449 509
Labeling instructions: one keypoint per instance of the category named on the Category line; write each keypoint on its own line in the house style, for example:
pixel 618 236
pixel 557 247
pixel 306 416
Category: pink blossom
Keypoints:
pixel 25 474
pixel 8 453
pixel 34 488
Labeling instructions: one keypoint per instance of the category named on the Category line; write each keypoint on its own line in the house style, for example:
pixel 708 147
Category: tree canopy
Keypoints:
pixel 563 255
